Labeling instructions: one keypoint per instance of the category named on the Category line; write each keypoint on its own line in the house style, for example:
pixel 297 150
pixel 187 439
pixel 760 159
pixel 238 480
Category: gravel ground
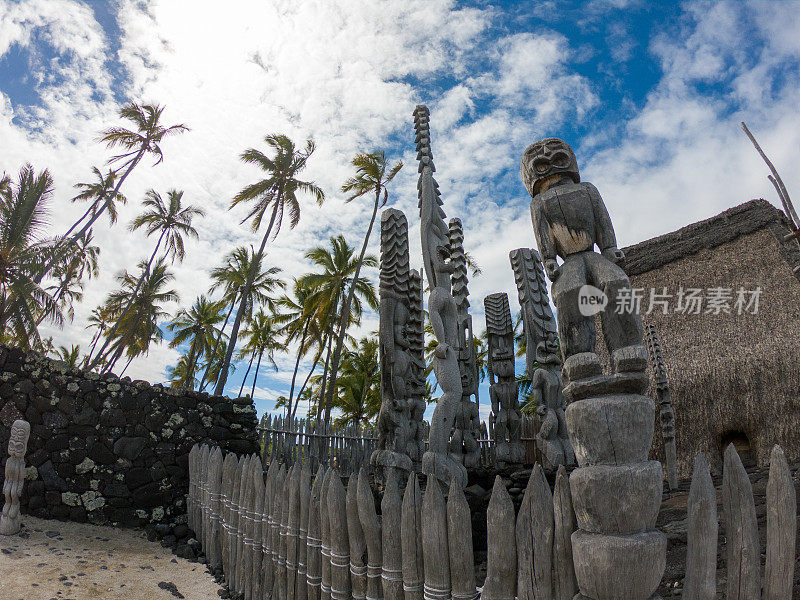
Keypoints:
pixel 54 560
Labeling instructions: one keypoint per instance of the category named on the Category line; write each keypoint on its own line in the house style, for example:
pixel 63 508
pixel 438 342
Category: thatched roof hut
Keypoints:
pixel 733 377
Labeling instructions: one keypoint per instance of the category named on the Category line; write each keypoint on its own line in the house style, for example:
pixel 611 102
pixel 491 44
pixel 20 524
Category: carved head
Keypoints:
pixel 547 351
pixel 545 158
pixel 18 444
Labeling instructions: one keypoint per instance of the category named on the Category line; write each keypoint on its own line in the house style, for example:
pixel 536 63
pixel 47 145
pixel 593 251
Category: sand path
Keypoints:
pixel 73 561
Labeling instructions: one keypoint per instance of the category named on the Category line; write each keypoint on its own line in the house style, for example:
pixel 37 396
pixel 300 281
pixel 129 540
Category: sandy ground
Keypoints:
pixel 53 560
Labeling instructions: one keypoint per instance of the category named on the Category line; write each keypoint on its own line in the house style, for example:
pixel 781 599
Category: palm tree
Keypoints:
pixel 262 338
pixel 71 356
pixel 277 193
pixel 23 252
pixel 231 278
pixel 198 326
pixel 371 176
pixel 358 394
pixel 297 320
pixel 339 269
pixel 100 319
pixel 171 221
pixel 137 309
pixel 78 258
pixel 104 196
pixel 146 139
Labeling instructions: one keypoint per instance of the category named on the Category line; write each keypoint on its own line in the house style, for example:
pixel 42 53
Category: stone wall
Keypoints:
pixel 110 450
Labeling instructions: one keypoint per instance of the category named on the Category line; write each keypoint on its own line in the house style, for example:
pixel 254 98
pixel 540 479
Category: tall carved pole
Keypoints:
pixel 11 519
pixel 542 360
pixel 616 491
pixel 442 311
pixel 502 383
pixel 394 421
pixel 464 442
pixel 416 349
pixel 664 399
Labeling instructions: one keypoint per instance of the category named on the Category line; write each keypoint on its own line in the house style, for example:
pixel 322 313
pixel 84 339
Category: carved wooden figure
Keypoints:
pixel 442 311
pixel 394 420
pixel 543 362
pixel 11 519
pixel 416 384
pixel 665 413
pixel 505 416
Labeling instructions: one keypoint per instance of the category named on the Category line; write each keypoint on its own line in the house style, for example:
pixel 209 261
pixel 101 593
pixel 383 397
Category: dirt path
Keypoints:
pixel 63 561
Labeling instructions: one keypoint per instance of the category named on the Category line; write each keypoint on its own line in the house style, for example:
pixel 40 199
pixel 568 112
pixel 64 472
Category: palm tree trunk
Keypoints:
pixel 255 377
pixel 305 383
pixel 323 385
pixel 344 318
pixel 130 302
pixel 92 207
pixel 190 367
pixel 297 364
pixel 127 364
pixel 244 379
pixel 223 375
pixel 203 382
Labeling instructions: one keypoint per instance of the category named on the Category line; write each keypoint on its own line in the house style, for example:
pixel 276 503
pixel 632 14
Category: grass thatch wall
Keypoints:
pixel 728 373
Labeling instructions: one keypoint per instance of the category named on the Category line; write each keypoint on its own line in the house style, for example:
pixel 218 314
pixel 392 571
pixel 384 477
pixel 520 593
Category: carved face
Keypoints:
pixel 545 158
pixel 547 351
pixel 18 444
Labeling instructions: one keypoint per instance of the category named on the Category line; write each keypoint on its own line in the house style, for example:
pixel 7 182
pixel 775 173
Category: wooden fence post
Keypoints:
pixel 293 532
pixel 340 544
pixel 501 567
pixel 301 588
pixel 781 528
pixel 535 524
pixel 701 537
pixel 411 537
pixel 564 583
pixel 324 520
pixel 241 550
pixel 741 529
pixel 267 572
pixel 459 538
pixel 282 536
pixel 255 536
pixel 358 546
pixel 435 550
pixel 372 536
pixel 392 548
pixel 191 500
pixel 275 536
pixel 228 469
pixel 314 558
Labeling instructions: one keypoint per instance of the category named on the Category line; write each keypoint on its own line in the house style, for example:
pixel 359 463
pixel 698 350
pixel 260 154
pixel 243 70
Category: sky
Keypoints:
pixel 649 94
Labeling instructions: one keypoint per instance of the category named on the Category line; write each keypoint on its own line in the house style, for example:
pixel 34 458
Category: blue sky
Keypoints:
pixel 650 95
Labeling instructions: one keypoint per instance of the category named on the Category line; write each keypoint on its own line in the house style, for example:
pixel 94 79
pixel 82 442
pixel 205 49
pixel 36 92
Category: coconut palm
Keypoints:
pixel 231 279
pixel 172 221
pixel 198 326
pixel 262 338
pixel 135 144
pixel 99 319
pixel 371 177
pixel 298 320
pixel 104 196
pixel 339 269
pixel 71 355
pixel 137 308
pixel 277 193
pixel 77 259
pixel 358 394
pixel 23 252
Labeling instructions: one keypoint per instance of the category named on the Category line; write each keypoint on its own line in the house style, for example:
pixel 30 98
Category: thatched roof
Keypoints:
pixel 725 227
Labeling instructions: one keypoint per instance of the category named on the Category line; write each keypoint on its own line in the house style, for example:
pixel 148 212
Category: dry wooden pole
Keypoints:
pixel 228 470
pixel 391 509
pixel 781 528
pixel 701 539
pixel 191 501
pixel 501 563
pixel 325 528
pixel 411 538
pixel 340 545
pixel 255 538
pixel 535 524
pixel 301 587
pixel 293 532
pixel 372 536
pixel 241 551
pixel 435 550
pixel 358 546
pixel 459 540
pixel 565 586
pixel 280 578
pixel 314 558
pixel 201 512
pixel 267 572
pixel 741 529
pixel 275 537
pixel 233 533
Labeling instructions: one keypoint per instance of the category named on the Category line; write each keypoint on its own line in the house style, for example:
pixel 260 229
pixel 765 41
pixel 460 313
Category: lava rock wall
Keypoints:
pixel 109 450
